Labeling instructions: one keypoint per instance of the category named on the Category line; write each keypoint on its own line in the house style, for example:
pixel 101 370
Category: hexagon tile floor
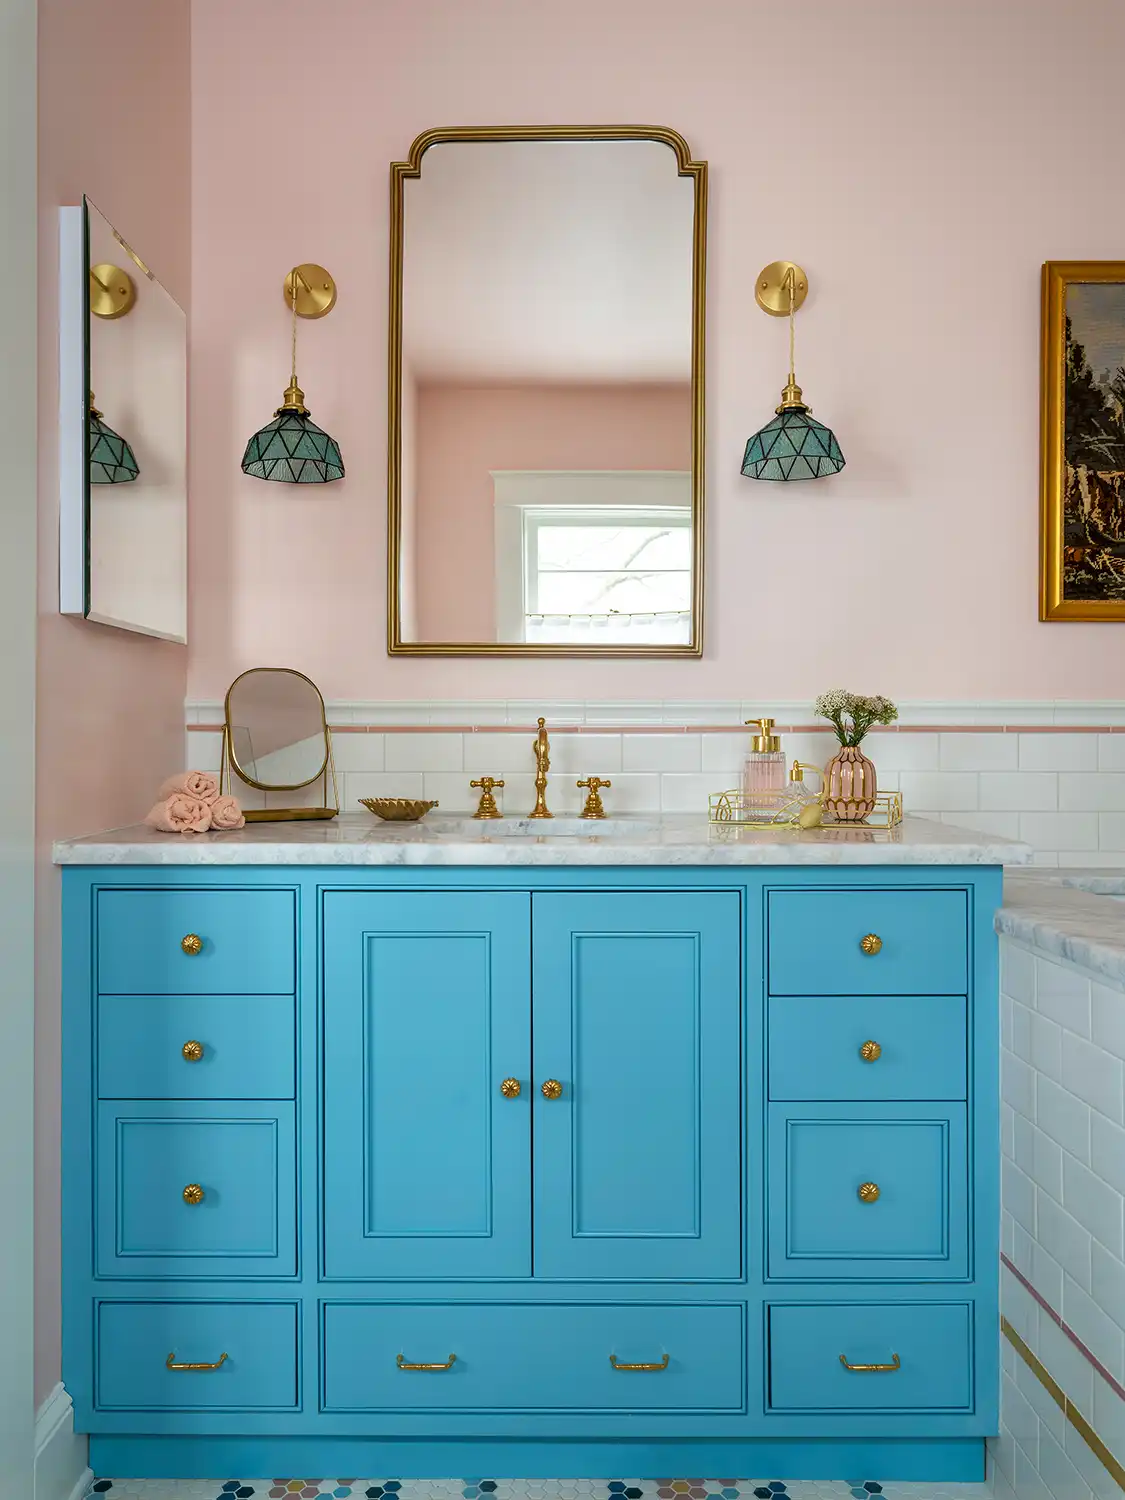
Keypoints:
pixel 527 1489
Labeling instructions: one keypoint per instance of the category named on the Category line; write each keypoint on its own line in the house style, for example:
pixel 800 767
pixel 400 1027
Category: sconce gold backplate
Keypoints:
pixel 771 290
pixel 316 291
pixel 112 292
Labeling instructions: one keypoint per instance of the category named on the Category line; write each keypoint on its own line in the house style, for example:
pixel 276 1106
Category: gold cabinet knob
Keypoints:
pixel 192 1051
pixel 871 1052
pixel 868 1192
pixel 871 944
pixel 192 945
pixel 193 1193
pixel 552 1089
pixel 510 1088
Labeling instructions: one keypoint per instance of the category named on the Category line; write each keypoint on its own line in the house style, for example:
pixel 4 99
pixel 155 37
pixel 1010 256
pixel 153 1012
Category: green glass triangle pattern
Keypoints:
pixel 792 446
pixel 111 459
pixel 292 449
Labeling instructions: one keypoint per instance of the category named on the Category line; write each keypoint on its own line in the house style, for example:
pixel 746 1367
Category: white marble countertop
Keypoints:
pixel 672 840
pixel 1070 914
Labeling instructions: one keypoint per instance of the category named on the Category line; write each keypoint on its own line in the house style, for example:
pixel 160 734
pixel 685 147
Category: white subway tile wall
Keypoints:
pixel 1062 1224
pixel 1043 773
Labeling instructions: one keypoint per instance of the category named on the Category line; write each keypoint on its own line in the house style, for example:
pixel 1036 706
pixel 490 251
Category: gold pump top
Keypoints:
pixel 765 742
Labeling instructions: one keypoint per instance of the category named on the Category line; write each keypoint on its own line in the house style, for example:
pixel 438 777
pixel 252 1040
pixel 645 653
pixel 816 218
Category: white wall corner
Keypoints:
pixel 61 1470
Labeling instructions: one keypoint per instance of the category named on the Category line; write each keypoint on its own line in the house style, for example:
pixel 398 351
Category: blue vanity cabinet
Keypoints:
pixel 527 1171
pixel 638 1016
pixel 427 1011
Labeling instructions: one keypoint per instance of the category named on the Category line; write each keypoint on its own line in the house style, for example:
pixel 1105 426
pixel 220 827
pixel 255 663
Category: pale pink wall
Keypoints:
pixel 919 160
pixel 114 122
pixel 464 431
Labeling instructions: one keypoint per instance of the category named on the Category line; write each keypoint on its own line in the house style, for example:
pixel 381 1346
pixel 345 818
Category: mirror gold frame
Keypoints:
pixel 401 171
pixel 229 765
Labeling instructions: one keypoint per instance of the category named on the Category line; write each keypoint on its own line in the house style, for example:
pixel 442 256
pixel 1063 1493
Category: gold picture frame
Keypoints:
pixel 1082 461
pixel 401 171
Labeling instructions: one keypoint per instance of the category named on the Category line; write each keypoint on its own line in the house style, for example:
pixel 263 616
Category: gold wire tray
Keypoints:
pixel 786 809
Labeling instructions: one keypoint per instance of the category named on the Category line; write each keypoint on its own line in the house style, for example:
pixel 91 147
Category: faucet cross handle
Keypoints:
pixel 593 808
pixel 487 808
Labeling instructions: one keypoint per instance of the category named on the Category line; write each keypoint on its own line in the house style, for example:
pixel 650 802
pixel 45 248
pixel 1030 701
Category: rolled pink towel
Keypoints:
pixel 180 813
pixel 199 784
pixel 226 814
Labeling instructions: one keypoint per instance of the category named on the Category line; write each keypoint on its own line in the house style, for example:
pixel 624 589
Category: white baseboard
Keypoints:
pixel 61 1471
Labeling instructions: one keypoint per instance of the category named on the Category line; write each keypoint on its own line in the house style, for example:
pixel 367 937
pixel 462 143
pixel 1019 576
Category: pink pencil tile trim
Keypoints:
pixel 1113 1384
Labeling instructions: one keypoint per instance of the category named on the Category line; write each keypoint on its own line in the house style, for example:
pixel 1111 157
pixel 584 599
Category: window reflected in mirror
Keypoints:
pixel 548 407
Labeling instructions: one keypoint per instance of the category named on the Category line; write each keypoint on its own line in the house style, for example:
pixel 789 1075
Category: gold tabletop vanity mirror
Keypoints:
pixel 545 446
pixel 276 739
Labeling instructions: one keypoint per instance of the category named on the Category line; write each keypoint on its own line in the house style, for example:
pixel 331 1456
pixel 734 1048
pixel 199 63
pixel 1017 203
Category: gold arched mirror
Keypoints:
pixel 546 378
pixel 276 739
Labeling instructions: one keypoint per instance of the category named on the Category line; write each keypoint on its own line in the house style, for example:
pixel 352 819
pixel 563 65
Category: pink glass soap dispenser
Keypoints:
pixel 764 770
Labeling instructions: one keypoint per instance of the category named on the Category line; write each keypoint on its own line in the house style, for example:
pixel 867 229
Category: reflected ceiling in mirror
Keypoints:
pixel 546 402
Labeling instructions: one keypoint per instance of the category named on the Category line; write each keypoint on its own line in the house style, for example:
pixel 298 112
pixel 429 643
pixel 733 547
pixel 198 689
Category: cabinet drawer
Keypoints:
pixel 931 1340
pixel 919 1042
pixel 244 1162
pixel 524 1357
pixel 136 1339
pixel 248 937
pixel 238 1046
pixel 814 942
pixel 914 1225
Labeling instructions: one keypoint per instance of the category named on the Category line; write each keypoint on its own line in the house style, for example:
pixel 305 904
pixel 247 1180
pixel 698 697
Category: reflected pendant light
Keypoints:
pixel 794 445
pixel 292 449
pixel 112 461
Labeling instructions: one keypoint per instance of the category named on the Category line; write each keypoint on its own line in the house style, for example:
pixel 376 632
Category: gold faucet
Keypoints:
pixel 542 748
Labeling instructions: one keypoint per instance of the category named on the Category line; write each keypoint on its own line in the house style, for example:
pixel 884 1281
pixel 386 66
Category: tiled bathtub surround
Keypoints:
pixel 1051 774
pixel 1063 1229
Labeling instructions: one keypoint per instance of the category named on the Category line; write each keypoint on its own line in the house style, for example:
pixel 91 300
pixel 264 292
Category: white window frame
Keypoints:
pixel 523 496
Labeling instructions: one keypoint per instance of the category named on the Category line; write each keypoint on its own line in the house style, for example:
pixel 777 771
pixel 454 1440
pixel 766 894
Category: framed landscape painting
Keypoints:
pixel 1082 442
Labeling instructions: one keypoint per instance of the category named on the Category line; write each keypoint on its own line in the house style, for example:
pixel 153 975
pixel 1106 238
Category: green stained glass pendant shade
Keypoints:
pixel 793 446
pixel 111 459
pixel 292 449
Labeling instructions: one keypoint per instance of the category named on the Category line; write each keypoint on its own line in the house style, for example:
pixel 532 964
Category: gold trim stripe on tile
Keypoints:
pixel 1113 1466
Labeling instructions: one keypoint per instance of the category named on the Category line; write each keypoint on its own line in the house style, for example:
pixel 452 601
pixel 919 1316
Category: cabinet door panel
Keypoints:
pixel 637 1007
pixel 426 1011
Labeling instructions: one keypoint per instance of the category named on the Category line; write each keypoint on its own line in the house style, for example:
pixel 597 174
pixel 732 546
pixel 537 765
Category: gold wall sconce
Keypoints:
pixel 112 291
pixel 794 445
pixel 292 449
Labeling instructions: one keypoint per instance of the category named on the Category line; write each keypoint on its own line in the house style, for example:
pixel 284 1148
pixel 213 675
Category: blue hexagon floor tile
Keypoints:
pixel 478 1488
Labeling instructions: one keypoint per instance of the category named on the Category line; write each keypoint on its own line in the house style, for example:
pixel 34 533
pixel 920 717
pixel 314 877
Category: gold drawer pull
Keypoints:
pixel 192 945
pixel 552 1089
pixel 663 1365
pixel 868 1192
pixel 192 1051
pixel 871 944
pixel 510 1088
pixel 895 1364
pixel 871 1052
pixel 400 1360
pixel 193 1193
pixel 170 1363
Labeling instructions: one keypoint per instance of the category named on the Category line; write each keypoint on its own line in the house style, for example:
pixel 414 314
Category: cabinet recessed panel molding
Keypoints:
pixel 426 1012
pixel 638 1015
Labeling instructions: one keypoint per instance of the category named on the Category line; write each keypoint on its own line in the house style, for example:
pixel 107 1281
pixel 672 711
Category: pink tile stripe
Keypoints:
pixel 1113 1384
pixel 610 728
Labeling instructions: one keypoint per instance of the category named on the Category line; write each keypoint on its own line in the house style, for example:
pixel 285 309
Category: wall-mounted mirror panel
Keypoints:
pixel 546 394
pixel 122 434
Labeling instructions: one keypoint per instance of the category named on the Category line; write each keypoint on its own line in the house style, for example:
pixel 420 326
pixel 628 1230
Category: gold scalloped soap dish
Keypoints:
pixel 397 809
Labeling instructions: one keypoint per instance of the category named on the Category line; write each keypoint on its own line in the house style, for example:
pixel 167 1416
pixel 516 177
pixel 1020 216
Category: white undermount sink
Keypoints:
pixel 537 828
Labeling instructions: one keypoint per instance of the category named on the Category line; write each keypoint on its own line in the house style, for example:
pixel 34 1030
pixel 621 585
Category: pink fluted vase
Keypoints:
pixel 849 785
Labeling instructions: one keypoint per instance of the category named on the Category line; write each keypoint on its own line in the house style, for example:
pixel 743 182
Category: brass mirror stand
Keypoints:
pixel 228 772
